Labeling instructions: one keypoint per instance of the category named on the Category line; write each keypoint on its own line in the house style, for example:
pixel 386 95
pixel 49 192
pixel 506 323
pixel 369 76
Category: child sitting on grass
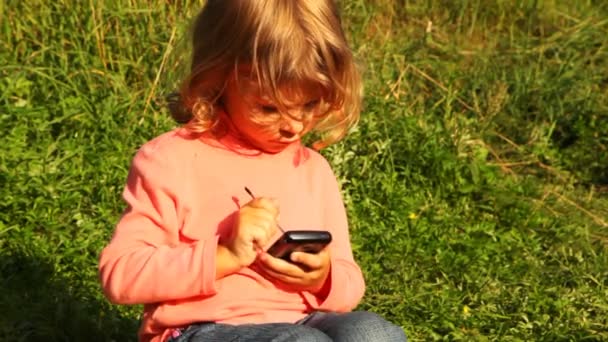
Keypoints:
pixel 190 244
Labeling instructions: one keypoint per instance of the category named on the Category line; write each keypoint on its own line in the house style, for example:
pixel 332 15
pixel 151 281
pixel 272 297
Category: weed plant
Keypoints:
pixel 476 182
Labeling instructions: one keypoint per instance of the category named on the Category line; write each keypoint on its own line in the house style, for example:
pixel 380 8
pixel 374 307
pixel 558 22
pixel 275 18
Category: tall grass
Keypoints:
pixel 476 182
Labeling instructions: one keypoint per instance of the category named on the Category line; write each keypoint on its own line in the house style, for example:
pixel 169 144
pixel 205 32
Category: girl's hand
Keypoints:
pixel 305 272
pixel 255 224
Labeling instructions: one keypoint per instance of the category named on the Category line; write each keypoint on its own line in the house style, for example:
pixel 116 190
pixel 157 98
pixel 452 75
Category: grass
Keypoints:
pixel 476 181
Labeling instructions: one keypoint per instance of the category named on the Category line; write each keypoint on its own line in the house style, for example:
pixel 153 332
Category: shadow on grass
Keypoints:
pixel 38 305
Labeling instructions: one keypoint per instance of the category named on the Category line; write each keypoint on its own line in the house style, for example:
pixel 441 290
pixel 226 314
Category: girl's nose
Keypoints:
pixel 292 126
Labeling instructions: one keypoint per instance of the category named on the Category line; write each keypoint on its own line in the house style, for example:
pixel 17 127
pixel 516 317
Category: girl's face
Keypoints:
pixel 262 123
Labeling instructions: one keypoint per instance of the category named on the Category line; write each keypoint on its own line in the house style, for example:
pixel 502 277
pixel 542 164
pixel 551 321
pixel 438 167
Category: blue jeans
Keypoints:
pixel 317 327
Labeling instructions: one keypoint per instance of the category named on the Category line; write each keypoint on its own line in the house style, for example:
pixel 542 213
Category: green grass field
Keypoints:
pixel 476 181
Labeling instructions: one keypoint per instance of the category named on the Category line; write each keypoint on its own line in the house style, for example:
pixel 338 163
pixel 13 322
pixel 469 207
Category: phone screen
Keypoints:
pixel 308 241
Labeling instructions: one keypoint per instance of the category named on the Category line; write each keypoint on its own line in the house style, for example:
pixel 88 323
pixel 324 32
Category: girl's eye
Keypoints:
pixel 268 109
pixel 311 105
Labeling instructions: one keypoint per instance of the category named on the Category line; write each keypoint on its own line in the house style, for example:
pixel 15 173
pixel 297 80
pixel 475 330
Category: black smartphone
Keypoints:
pixel 308 241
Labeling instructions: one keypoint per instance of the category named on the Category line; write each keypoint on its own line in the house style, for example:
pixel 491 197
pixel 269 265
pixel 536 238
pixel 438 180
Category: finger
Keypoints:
pixel 266 203
pixel 269 226
pixel 260 217
pixel 284 278
pixel 260 233
pixel 311 260
pixel 280 266
pixel 258 213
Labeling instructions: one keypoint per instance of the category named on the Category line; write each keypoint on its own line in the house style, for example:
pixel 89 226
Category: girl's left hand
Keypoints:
pixel 305 272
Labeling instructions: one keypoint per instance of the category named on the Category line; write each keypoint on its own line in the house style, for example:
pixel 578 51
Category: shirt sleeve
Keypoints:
pixel 144 261
pixel 346 282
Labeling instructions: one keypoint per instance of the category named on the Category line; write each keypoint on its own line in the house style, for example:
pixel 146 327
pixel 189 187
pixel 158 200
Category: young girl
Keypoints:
pixel 191 243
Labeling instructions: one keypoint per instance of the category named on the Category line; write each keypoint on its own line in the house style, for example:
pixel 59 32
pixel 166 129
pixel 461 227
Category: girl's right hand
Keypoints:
pixel 255 224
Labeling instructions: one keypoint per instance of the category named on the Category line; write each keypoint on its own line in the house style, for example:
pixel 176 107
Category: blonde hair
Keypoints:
pixel 283 43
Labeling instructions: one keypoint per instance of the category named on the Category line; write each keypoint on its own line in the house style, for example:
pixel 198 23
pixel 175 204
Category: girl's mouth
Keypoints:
pixel 286 134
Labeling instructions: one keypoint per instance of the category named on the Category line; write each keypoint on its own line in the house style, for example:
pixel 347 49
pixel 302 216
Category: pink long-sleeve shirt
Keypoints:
pixel 181 194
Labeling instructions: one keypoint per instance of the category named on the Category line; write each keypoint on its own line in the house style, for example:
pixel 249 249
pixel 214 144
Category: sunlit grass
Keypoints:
pixel 476 182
